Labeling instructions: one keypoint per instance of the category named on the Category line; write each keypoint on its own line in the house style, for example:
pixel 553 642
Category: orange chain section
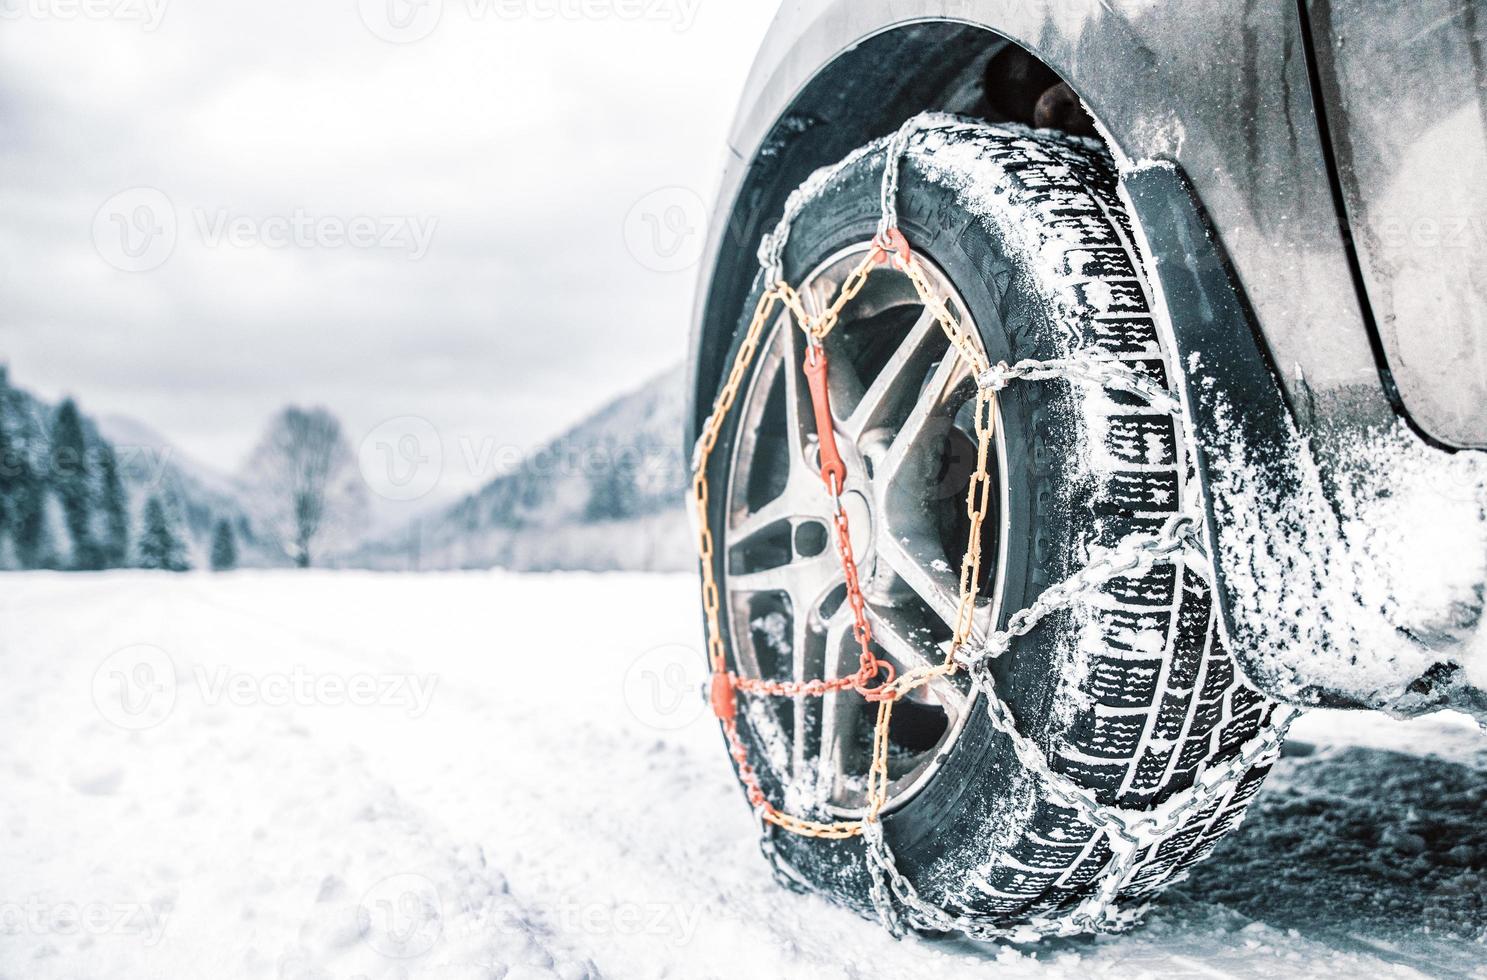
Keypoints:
pixel 888 250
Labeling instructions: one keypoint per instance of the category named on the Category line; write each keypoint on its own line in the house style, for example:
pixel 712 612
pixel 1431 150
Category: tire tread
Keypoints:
pixel 1162 697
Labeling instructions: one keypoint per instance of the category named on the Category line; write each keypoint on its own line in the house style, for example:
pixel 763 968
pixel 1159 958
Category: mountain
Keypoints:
pixel 146 465
pixel 123 431
pixel 607 494
pixel 150 463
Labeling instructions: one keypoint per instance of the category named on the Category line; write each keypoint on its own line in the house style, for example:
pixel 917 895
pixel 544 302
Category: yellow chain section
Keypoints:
pixel 887 251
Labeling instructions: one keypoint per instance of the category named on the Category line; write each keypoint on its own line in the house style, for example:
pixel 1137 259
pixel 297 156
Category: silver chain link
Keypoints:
pixel 897 144
pixel 1095 370
pixel 1130 834
pixel 1134 555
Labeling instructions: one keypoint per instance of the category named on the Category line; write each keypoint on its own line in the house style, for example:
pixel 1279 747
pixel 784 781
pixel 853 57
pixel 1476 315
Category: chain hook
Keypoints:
pixel 892 248
pixel 871 669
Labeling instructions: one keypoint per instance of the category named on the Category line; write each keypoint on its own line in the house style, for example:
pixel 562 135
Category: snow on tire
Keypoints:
pixel 1131 695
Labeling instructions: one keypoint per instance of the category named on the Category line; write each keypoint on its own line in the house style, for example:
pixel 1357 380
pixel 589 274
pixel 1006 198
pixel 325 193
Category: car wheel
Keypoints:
pixel 1130 695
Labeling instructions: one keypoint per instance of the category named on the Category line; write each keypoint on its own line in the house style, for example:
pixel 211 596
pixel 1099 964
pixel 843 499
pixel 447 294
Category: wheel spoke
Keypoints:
pixel 905 367
pixel 804 496
pixel 920 564
pixel 788 506
pixel 911 645
pixel 904 638
pixel 805 580
pixel 840 716
pixel 915 447
pixel 805 642
pixel 800 426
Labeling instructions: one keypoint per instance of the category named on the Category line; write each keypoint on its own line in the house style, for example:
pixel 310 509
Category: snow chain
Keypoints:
pixel 1130 833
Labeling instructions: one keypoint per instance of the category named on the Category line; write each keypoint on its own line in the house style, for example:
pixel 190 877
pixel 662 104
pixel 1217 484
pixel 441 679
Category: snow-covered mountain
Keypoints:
pixel 201 494
pixel 147 465
pixel 605 495
pixel 125 433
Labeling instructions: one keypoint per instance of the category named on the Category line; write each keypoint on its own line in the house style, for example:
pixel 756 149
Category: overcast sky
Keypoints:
pixel 450 210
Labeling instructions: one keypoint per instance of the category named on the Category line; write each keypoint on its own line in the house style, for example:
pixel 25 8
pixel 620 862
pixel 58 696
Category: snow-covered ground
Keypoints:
pixel 494 775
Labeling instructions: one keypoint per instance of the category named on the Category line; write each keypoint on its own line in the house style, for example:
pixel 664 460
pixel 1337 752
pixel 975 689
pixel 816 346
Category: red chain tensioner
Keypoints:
pixel 888 246
pixel 834 475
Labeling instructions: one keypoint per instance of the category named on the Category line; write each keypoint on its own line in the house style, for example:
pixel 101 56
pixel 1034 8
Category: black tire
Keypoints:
pixel 1130 701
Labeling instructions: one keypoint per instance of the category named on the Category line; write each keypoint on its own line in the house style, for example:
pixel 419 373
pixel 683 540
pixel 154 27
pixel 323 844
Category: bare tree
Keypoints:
pixel 306 486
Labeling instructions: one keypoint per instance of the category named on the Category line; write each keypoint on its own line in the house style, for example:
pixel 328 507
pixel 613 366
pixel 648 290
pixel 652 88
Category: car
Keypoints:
pixel 1077 392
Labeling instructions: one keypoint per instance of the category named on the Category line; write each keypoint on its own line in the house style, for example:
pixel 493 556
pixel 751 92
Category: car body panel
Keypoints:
pixel 1404 91
pixel 1316 612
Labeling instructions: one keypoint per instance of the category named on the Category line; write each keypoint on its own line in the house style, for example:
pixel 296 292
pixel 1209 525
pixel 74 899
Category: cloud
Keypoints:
pixel 520 141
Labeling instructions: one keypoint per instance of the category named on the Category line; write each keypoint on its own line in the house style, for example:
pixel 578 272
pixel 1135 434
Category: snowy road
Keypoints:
pixel 491 775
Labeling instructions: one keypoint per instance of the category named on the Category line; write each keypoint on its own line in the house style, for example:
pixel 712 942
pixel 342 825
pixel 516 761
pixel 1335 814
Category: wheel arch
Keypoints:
pixel 861 92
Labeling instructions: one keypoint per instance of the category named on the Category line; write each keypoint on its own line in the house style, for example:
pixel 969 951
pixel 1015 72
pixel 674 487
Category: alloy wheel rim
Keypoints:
pixel 902 400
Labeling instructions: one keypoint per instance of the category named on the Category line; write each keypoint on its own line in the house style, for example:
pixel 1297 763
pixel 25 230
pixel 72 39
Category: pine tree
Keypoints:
pixel 9 471
pixel 70 480
pixel 114 505
pixel 51 534
pixel 29 505
pixel 224 547
pixel 613 494
pixel 14 473
pixel 159 546
pixel 20 489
